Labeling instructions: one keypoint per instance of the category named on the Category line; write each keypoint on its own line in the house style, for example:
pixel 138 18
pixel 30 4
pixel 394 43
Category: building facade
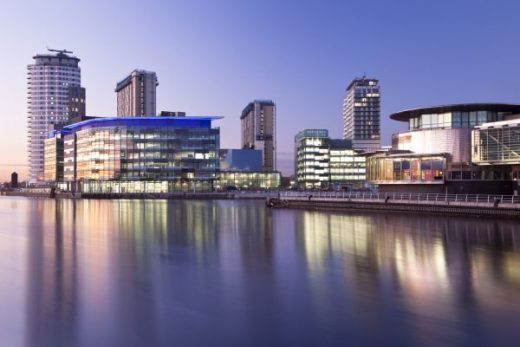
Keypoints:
pixel 323 162
pixel 77 106
pixel 137 94
pixel 362 114
pixel 497 143
pixel 258 123
pixel 53 158
pixel 404 169
pixel 240 160
pixel 466 136
pixel 248 180
pixel 496 150
pixel 181 153
pixel 53 82
pixel 241 169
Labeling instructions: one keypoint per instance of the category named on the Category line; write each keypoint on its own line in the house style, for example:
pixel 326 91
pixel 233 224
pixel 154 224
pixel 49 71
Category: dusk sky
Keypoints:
pixel 213 57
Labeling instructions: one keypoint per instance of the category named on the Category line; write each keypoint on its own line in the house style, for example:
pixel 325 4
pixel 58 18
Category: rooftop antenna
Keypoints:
pixel 59 51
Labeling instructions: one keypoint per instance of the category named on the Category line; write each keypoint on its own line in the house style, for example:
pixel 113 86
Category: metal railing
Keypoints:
pixel 408 197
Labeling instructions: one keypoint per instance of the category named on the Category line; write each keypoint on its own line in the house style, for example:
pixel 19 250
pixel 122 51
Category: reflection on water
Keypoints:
pixel 152 272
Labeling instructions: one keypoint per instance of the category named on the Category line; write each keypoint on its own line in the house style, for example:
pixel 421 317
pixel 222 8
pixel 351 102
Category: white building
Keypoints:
pixel 49 79
pixel 361 114
pixel 324 162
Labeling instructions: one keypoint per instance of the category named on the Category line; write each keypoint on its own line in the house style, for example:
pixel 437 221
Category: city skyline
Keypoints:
pixel 427 54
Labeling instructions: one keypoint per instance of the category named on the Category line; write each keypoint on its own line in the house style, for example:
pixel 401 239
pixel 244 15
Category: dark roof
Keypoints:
pixel 47 59
pixel 136 72
pixel 251 105
pixel 404 116
pixel 340 144
pixel 362 81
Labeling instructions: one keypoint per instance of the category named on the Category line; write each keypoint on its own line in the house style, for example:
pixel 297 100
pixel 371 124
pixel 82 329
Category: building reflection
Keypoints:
pixel 119 238
pixel 102 299
pixel 139 272
pixel 52 289
pixel 422 261
pixel 417 248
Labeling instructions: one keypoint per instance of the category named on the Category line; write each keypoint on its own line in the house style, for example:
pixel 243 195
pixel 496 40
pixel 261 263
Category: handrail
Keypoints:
pixel 426 197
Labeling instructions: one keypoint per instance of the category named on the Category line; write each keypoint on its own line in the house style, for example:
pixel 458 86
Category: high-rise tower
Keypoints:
pixel 258 122
pixel 136 94
pixel 54 86
pixel 361 114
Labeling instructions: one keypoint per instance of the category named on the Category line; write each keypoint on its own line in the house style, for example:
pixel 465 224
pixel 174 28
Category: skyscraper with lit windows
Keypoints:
pixel 53 87
pixel 361 114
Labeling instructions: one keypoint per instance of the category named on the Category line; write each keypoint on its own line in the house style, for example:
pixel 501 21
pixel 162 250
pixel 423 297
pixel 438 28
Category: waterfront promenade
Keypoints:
pixel 455 204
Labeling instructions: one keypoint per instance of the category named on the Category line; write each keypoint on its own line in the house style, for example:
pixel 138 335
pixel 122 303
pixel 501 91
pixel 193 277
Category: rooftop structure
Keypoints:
pixel 406 115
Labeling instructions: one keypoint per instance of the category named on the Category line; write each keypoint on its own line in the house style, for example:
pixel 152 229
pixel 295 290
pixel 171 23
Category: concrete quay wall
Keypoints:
pixel 468 209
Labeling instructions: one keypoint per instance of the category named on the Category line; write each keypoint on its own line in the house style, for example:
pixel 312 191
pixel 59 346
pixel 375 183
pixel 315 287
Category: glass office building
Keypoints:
pixel 312 157
pixel 324 162
pixel 181 151
pixel 346 165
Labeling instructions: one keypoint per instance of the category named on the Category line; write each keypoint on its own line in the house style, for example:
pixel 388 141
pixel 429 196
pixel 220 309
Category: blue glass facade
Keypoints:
pixel 180 150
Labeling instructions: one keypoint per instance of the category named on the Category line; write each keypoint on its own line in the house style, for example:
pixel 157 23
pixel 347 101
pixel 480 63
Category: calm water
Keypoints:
pixel 143 273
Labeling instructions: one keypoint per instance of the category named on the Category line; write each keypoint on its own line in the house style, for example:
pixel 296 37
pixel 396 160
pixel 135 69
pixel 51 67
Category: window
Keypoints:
pixel 426 120
pixel 456 120
pixel 464 119
pixel 482 117
pixel 473 118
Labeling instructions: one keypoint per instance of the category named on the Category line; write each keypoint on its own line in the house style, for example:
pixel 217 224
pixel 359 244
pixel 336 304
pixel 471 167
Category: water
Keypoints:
pixel 143 273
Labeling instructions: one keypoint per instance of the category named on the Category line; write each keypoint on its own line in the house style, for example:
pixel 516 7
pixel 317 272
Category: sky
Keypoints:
pixel 212 57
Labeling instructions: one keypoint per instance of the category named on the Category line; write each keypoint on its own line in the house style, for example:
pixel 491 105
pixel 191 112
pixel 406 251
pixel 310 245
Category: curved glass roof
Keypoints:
pixel 404 116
